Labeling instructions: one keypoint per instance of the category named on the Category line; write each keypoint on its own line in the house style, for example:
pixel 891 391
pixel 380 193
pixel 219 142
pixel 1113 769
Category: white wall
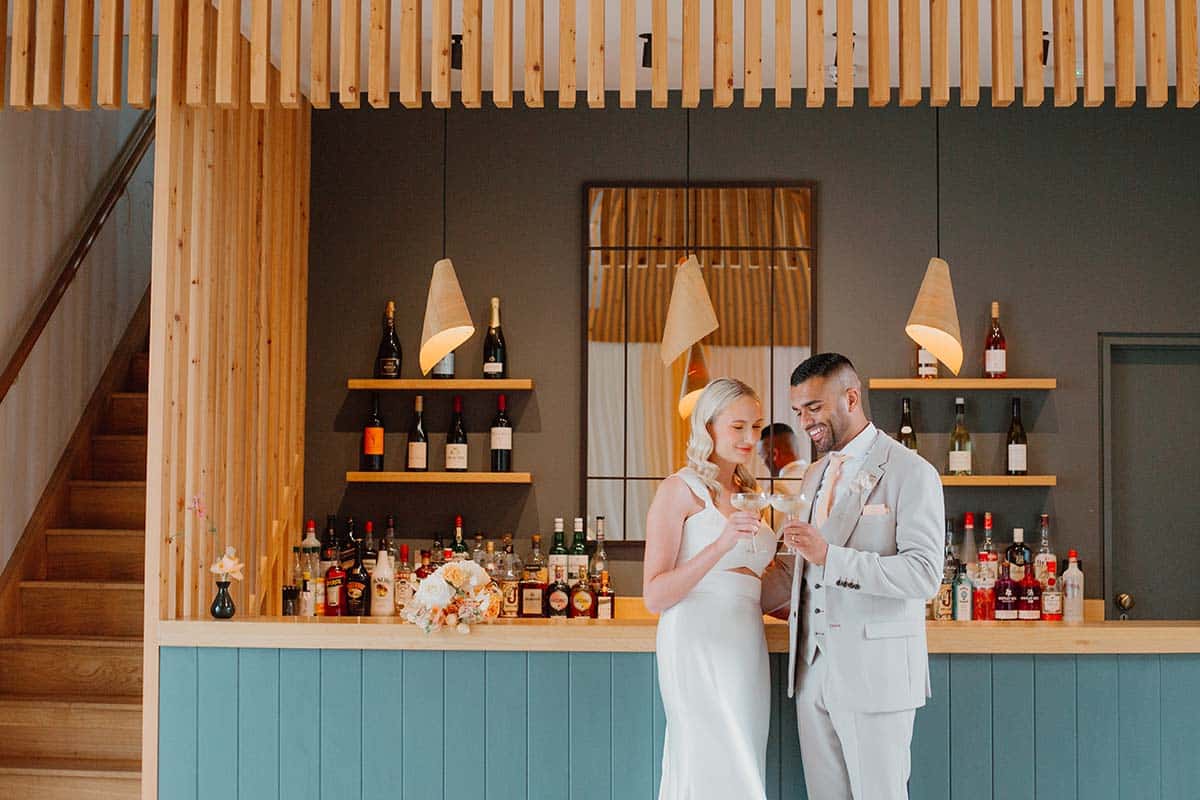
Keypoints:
pixel 51 165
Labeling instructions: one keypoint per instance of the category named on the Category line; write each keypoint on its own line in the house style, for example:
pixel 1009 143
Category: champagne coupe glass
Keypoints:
pixel 754 503
pixel 790 505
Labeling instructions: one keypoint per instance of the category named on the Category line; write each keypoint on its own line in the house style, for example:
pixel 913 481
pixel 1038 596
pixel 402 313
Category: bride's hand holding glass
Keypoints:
pixel 750 503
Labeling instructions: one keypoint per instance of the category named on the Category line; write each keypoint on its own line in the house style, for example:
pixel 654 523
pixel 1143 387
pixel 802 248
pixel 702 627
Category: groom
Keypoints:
pixel 866 560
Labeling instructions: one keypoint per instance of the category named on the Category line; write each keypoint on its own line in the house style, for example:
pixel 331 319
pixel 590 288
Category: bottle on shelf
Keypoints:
pixel 502 437
pixel 370 547
pixel 1045 563
pixel 510 554
pixel 927 363
pixel 1072 587
pixel 436 551
pixel 907 436
pixel 995 350
pixel 312 566
pixel 388 358
pixel 477 552
pixel 960 441
pixel 372 438
pixel 1016 460
pixel 350 541
pixel 358 587
pixel 605 598
pixel 583 597
pixel 1052 600
pixel 599 562
pixel 490 562
pixel 418 443
pixel 403 590
pixel 989 546
pixel 558 594
pixel 984 595
pixel 558 550
pixel 943 604
pixel 533 582
pixel 447 556
pixel 577 558
pixel 456 440
pixel 1007 595
pixel 1029 606
pixel 962 595
pixel 495 354
pixel 388 540
pixel 459 548
pixel 968 551
pixel 329 555
pixel 1019 556
pixel 383 587
pixel 444 369
pixel 425 570
pixel 307 600
pixel 297 568
pixel 510 584
pixel 335 590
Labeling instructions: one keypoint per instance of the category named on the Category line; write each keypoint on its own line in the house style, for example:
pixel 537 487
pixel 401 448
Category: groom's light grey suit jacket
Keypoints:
pixel 884 561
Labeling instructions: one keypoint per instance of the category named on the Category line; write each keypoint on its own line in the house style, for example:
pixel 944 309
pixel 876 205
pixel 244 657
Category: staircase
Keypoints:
pixel 71 666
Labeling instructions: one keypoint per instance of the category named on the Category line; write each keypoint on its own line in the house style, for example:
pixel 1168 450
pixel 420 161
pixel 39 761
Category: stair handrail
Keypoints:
pixel 106 198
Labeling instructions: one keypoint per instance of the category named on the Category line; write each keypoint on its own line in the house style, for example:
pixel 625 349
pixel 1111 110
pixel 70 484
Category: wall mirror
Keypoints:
pixel 756 245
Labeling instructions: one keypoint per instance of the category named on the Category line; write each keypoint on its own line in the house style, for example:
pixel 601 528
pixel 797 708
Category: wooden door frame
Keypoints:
pixel 1108 342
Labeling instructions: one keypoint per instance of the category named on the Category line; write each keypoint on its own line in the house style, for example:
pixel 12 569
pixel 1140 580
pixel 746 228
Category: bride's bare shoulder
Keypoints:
pixel 674 493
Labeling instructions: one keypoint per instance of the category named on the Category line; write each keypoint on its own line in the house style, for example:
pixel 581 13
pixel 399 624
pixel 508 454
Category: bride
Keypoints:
pixel 702 577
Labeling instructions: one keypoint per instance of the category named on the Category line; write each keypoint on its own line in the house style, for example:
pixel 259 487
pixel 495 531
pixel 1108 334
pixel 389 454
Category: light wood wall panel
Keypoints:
pixel 535 56
pixel 939 53
pixel 1066 87
pixel 1093 53
pixel 968 51
pixel 752 54
pixel 1003 81
pixel 48 55
pixel 410 52
pixel 77 79
pixel 379 52
pixel 320 57
pixel 567 61
pixel 814 51
pixel 879 80
pixel 502 53
pixel 1033 90
pixel 1187 80
pixel 595 62
pixel 349 63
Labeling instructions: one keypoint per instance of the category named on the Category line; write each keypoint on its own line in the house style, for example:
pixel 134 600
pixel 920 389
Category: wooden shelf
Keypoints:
pixel 434 384
pixel 963 384
pixel 999 480
pixel 440 477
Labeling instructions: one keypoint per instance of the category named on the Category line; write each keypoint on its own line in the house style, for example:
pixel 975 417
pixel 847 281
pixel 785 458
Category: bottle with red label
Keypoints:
pixel 984 597
pixel 1007 595
pixel 335 590
pixel 1052 600
pixel 1029 603
pixel 372 440
pixel 1045 563
pixel 995 348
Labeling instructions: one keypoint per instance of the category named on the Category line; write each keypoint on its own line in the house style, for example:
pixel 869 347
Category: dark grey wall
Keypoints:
pixel 1077 221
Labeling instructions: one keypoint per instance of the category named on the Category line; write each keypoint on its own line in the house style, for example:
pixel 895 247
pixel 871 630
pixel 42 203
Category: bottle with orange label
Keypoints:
pixel 558 594
pixel 372 439
pixel 583 598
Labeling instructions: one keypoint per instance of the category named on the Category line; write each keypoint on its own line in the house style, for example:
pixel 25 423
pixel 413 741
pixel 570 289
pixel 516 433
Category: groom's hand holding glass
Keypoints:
pixel 806 540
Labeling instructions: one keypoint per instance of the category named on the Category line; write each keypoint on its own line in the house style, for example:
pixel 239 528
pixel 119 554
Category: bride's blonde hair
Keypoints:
pixel 715 398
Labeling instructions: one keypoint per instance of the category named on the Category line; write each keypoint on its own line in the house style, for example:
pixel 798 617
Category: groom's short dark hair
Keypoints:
pixel 822 365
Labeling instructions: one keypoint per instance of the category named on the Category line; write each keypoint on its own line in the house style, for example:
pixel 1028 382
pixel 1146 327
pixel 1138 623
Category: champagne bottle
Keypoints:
pixel 388 358
pixel 372 439
pixel 495 354
pixel 501 437
pixel 995 349
pixel 456 440
pixel 907 436
pixel 418 442
pixel 1017 450
pixel 444 369
pixel 960 441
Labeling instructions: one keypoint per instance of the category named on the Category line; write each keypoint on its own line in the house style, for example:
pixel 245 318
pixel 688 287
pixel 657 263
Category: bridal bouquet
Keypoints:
pixel 458 595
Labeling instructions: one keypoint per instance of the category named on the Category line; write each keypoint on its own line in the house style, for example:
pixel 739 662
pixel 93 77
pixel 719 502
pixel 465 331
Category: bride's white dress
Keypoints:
pixel 713 671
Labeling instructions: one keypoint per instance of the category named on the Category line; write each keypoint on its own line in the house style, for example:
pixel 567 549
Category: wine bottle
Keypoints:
pixel 388 359
pixel 460 549
pixel 907 436
pixel 418 442
pixel 456 440
pixel 444 368
pixel 501 437
pixel 960 441
pixel 358 587
pixel 372 438
pixel 1017 451
pixel 927 363
pixel 495 354
pixel 577 558
pixel 558 550
pixel 995 351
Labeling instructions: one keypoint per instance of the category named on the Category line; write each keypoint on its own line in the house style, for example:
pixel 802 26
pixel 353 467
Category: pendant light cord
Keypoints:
pixel 445 169
pixel 687 179
pixel 937 171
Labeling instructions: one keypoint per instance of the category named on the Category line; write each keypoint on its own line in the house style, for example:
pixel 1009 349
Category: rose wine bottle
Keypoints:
pixel 495 353
pixel 388 359
pixel 372 439
pixel 995 352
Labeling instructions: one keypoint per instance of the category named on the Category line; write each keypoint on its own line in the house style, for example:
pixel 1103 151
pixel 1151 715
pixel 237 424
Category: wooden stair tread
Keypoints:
pixel 71 767
pixel 129 586
pixel 122 702
pixel 119 437
pixel 106 532
pixel 121 642
pixel 88 483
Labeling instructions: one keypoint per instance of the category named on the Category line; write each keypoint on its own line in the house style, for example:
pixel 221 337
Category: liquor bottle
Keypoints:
pixel 403 591
pixel 335 590
pixel 1006 595
pixel 1019 556
pixel 510 554
pixel 960 441
pixel 388 540
pixel 388 358
pixel 460 550
pixel 1072 584
pixel 329 555
pixel 502 440
pixel 370 548
pixel 583 598
pixel 995 351
pixel 478 551
pixel 943 604
pixel 577 559
pixel 1017 449
pixel 599 562
pixel 495 354
pixel 558 550
pixel 558 595
pixel 968 552
pixel 605 598
pixel 984 596
pixel 447 556
pixel 927 363
pixel 350 541
pixel 1052 600
pixel 358 587
pixel 533 582
pixel 372 438
pixel 456 440
pixel 444 369
pixel 489 560
pixel 436 551
pixel 297 568
pixel 312 565
pixel 950 561
pixel 510 585
pixel 907 436
pixel 383 587
pixel 962 595
pixel 988 546
pixel 425 570
pixel 1045 563
pixel 1029 606
pixel 307 601
pixel 418 442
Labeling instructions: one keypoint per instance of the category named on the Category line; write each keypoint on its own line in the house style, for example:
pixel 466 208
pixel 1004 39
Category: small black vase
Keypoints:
pixel 222 604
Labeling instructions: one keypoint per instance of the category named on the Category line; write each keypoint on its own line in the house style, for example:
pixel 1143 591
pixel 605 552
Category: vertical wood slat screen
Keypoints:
pixel 49 61
pixel 228 315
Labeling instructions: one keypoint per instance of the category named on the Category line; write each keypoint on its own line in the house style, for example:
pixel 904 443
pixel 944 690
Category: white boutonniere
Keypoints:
pixel 862 483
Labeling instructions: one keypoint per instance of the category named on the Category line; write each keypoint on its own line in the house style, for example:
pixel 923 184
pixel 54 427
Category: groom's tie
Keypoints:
pixel 835 474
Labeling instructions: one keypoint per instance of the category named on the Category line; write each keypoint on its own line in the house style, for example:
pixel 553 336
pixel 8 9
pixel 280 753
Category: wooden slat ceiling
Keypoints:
pixel 904 52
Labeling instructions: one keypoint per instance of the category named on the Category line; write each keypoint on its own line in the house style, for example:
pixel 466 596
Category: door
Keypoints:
pixel 1151 432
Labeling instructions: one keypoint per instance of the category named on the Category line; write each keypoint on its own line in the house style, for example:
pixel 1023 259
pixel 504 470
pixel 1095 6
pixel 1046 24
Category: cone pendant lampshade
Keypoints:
pixel 447 320
pixel 933 321
pixel 690 315
pixel 695 378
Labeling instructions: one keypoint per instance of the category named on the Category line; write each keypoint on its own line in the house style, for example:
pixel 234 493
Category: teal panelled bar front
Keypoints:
pixel 305 724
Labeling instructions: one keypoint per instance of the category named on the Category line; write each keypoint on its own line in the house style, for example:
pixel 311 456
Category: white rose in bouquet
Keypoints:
pixel 434 592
